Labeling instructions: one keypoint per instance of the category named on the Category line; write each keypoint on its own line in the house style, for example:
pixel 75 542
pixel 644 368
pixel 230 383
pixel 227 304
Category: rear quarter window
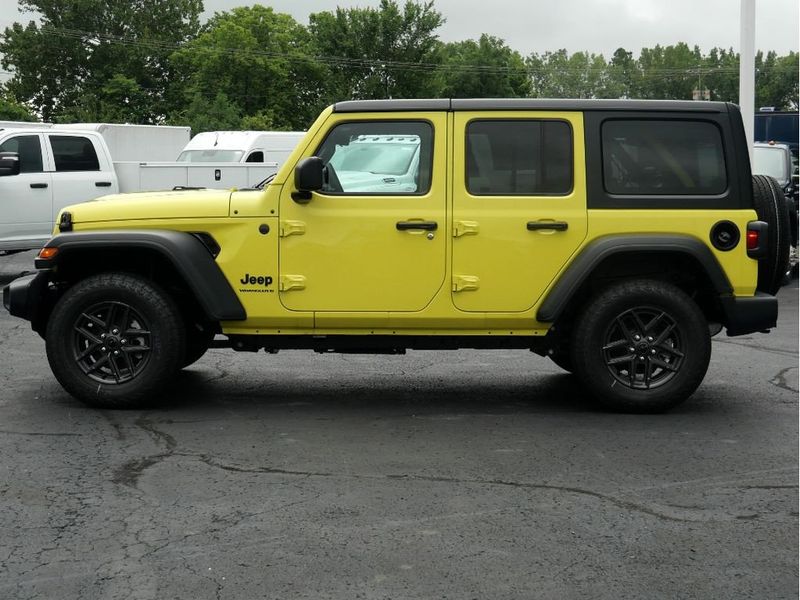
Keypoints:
pixel 663 157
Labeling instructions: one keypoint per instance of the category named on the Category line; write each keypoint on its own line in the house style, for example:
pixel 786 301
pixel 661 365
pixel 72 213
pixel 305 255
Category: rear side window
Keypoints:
pixel 29 149
pixel 665 158
pixel 520 157
pixel 74 153
pixel 255 157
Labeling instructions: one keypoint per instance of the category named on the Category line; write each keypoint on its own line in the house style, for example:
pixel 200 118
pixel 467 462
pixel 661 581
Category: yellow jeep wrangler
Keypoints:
pixel 614 237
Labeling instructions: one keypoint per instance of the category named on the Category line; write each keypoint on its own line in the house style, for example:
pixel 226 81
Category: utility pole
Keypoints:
pixel 747 69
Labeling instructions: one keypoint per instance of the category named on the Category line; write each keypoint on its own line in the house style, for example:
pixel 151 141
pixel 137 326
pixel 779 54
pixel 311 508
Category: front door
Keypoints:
pixel 26 200
pixel 519 206
pixel 373 239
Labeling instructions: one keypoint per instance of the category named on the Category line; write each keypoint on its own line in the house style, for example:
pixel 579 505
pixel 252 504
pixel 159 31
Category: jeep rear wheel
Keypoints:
pixel 641 346
pixel 113 340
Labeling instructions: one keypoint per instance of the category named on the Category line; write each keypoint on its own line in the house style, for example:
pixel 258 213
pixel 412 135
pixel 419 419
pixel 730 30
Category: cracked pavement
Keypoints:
pixel 470 474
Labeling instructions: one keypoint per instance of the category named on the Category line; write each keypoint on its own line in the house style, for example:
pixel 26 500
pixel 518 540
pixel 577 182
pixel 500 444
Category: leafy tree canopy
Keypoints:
pixel 92 54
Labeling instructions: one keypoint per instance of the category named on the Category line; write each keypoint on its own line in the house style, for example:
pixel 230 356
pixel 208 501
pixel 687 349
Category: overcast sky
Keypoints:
pixel 599 26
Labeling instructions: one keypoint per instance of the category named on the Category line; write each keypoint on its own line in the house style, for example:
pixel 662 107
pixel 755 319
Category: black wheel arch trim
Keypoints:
pixel 188 254
pixel 599 250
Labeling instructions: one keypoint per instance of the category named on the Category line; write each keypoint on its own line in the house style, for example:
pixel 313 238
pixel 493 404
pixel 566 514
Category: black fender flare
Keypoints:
pixel 190 257
pixel 599 250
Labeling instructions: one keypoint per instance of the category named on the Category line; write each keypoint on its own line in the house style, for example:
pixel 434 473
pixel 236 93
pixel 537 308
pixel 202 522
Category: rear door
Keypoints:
pixel 81 170
pixel 25 199
pixel 519 205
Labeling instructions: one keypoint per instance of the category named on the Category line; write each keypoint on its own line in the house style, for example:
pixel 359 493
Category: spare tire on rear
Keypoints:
pixel 770 205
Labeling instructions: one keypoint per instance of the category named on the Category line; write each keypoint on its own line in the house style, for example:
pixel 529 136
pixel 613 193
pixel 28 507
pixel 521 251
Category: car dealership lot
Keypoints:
pixel 469 474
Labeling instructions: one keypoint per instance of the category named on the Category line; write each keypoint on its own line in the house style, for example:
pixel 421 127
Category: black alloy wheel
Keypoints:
pixel 111 342
pixel 642 348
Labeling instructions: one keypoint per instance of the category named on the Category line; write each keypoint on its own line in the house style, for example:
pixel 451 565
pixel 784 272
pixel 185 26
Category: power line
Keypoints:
pixel 387 64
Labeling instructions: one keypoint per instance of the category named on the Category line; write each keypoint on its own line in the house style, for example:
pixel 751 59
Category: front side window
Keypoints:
pixel 378 157
pixel 29 150
pixel 519 157
pixel 74 153
pixel 663 158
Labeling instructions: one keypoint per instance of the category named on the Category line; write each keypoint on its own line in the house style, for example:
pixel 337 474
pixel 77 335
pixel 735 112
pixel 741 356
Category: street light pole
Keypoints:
pixel 747 69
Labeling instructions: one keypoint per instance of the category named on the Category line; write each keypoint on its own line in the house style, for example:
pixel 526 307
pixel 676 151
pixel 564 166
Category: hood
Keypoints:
pixel 153 205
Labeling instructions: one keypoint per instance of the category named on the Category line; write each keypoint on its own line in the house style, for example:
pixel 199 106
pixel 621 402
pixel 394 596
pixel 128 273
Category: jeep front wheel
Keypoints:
pixel 113 340
pixel 641 346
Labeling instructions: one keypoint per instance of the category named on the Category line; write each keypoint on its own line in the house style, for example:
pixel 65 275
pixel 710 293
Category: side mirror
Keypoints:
pixel 308 177
pixel 9 164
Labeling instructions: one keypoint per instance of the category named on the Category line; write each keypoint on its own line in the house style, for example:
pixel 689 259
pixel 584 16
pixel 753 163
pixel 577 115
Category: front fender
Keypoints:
pixel 190 257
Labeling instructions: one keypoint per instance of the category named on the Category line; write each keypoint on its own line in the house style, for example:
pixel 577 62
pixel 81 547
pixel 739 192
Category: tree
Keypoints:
pixel 721 74
pixel 559 75
pixel 11 110
pixel 776 80
pixel 623 78
pixel 378 53
pixel 203 114
pixel 90 55
pixel 260 60
pixel 486 68
pixel 670 71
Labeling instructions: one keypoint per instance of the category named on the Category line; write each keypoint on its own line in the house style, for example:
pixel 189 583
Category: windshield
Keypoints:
pixel 210 156
pixel 770 161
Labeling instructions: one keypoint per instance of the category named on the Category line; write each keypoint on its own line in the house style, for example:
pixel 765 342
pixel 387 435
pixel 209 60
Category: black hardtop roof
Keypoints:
pixel 464 104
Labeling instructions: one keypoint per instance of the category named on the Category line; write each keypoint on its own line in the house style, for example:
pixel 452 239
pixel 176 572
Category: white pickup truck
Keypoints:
pixel 49 168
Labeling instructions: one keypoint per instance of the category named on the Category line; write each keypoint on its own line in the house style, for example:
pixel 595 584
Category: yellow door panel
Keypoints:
pixel 373 251
pixel 507 235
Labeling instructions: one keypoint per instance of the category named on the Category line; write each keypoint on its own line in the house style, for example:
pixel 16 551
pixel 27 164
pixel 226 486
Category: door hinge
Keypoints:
pixel 465 228
pixel 292 282
pixel 292 228
pixel 465 283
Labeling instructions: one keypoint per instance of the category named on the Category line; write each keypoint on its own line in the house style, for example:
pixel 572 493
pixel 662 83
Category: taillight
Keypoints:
pixel 752 239
pixel 757 238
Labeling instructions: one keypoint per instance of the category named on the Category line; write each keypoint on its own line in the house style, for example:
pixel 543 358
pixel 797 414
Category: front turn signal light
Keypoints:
pixel 47 253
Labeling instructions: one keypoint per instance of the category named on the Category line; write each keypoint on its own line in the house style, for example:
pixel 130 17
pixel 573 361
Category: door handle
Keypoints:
pixel 102 183
pixel 38 186
pixel 425 225
pixel 543 225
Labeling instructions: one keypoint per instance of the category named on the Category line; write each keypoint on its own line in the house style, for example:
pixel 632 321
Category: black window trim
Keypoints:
pixel 389 194
pixel 522 195
pixel 617 196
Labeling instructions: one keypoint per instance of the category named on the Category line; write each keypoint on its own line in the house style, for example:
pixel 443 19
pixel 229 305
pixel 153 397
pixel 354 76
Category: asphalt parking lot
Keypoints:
pixel 470 474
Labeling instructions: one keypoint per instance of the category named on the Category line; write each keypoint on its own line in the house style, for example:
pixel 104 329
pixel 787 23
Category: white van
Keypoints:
pixel 241 146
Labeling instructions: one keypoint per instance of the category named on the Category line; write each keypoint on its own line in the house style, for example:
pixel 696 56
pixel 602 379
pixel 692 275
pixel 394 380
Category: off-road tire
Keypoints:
pixel 680 342
pixel 771 206
pixel 198 341
pixel 563 360
pixel 150 340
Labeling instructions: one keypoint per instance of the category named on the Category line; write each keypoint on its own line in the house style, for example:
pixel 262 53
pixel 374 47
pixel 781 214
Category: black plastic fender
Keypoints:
pixel 599 250
pixel 191 258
